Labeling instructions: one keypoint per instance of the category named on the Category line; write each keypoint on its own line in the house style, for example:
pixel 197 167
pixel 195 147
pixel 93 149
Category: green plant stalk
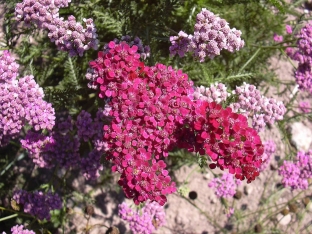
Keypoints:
pixel 204 213
pixel 8 217
pixel 14 211
pixel 249 60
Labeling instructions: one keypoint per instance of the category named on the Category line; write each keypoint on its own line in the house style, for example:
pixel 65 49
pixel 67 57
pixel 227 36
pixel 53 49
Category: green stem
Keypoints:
pixel 8 217
pixel 252 57
pixel 14 211
pixel 188 176
pixel 204 213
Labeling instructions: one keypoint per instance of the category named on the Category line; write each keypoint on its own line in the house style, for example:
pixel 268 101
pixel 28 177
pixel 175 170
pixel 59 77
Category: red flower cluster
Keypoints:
pixel 226 138
pixel 150 107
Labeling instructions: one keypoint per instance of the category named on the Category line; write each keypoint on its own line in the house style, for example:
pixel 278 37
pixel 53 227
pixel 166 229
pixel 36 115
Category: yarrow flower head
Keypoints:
pixel 68 35
pixel 288 29
pixel 263 110
pixel 146 221
pixel 61 146
pixel 19 229
pixel 277 38
pixel 150 107
pixel 297 173
pixel 21 102
pixel 224 186
pixel 211 35
pixel 144 51
pixel 37 203
pixel 215 93
pixel 269 150
pixel 304 106
pixel 303 54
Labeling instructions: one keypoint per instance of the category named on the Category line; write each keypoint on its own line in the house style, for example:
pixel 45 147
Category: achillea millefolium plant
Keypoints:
pixel 136 89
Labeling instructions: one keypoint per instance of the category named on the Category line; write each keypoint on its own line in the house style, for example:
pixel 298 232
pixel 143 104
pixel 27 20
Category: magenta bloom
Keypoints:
pixel 277 38
pixel 224 186
pixel 145 221
pixel 19 229
pixel 297 173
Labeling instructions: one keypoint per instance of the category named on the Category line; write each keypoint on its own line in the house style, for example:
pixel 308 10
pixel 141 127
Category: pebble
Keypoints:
pixel 301 135
pixel 284 220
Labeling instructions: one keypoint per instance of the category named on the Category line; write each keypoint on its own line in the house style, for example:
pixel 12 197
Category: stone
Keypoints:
pixel 284 220
pixel 248 189
pixel 301 136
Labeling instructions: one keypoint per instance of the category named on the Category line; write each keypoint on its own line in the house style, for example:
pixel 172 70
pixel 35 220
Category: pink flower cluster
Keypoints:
pixel 225 186
pixel 62 145
pixel 151 108
pixel 296 174
pixel 146 221
pixel 144 51
pixel 215 93
pixel 277 38
pixel 269 150
pixel 263 110
pixel 68 35
pixel 19 229
pixel 37 203
pixel 21 101
pixel 303 55
pixel 304 107
pixel 211 35
pixel 226 138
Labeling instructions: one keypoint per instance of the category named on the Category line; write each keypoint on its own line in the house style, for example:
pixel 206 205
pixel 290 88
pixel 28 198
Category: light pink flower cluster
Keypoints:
pixel 277 38
pixel 19 229
pixel 62 145
pixel 225 186
pixel 211 35
pixel 151 108
pixel 303 55
pixel 21 102
pixel 263 110
pixel 269 150
pixel 296 174
pixel 145 221
pixel 68 35
pixel 37 203
pixel 288 29
pixel 215 93
pixel 305 106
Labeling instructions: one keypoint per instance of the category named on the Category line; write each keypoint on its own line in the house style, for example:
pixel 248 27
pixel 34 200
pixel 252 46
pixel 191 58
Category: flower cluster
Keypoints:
pixel 303 55
pixel 146 221
pixel 62 145
pixel 269 150
pixel 226 138
pixel 147 104
pixel 150 109
pixel 304 107
pixel 68 35
pixel 225 186
pixel 37 203
pixel 19 229
pixel 296 174
pixel 144 51
pixel 215 93
pixel 211 35
pixel 263 110
pixel 21 101
pixel 277 38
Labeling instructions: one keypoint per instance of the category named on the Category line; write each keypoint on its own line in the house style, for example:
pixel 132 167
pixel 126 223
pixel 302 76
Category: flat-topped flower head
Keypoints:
pixel 211 35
